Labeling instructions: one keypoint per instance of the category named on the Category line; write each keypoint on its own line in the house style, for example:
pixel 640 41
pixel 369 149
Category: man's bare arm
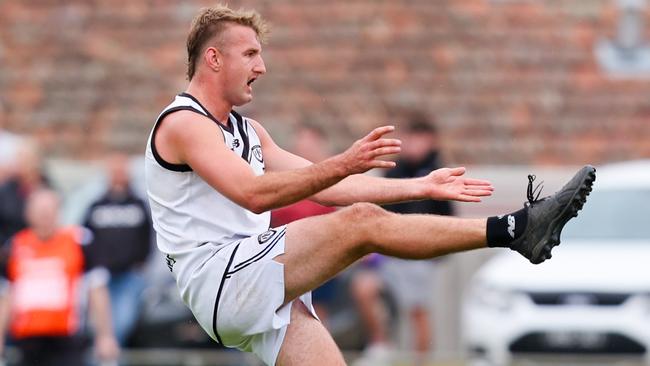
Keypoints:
pixel 441 184
pixel 106 347
pixel 187 138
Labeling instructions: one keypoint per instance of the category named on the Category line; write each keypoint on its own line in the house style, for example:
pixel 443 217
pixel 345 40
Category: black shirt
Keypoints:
pixel 406 169
pixel 122 231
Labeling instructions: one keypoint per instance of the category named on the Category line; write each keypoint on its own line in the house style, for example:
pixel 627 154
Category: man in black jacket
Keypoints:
pixel 122 229
pixel 408 281
pixel 28 177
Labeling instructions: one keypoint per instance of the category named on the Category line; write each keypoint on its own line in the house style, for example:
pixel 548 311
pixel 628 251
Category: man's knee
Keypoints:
pixel 361 221
pixel 361 212
pixel 365 285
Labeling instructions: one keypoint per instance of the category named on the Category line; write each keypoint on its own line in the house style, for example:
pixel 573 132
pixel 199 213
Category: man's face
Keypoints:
pixel 417 145
pixel 242 63
pixel 42 212
pixel 118 172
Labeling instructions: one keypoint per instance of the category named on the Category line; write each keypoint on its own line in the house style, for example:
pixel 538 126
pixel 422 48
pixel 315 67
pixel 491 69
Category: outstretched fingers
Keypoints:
pixel 378 132
pixel 468 181
pixel 366 153
pixel 477 192
pixel 451 185
pixel 467 198
pixel 479 187
pixel 387 164
pixel 478 183
pixel 472 186
pixel 458 171
pixel 379 147
pixel 473 193
pixel 383 147
pixel 383 143
pixel 382 151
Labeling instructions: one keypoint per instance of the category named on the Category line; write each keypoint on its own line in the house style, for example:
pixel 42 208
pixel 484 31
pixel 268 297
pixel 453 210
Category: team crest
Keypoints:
pixel 257 153
pixel 265 236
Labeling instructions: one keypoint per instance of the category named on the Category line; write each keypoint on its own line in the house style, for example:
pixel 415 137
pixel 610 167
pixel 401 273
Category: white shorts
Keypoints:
pixel 236 292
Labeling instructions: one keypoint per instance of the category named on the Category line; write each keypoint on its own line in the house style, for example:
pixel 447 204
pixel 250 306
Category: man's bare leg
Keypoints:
pixel 365 288
pixel 307 342
pixel 317 248
pixel 421 325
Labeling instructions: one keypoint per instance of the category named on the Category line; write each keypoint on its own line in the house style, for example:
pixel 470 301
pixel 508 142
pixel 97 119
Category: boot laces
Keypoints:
pixel 533 193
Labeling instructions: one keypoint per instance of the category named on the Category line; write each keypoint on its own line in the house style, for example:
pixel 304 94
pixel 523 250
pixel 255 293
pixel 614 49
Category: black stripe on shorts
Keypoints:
pixel 216 301
pixel 259 255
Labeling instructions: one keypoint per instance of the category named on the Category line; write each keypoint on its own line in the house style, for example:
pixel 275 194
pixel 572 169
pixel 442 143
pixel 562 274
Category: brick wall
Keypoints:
pixel 509 81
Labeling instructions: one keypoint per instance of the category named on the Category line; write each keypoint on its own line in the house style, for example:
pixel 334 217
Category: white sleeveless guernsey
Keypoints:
pixel 220 253
pixel 187 212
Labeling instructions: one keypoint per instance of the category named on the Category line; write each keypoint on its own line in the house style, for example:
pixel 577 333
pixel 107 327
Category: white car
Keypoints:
pixel 591 298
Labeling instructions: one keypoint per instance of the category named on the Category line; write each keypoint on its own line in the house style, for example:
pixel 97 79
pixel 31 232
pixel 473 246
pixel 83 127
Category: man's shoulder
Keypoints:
pixel 188 124
pixel 102 200
pixel 133 199
pixel 21 235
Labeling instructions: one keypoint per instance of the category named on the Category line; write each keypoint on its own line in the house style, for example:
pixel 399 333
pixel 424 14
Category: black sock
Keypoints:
pixel 503 230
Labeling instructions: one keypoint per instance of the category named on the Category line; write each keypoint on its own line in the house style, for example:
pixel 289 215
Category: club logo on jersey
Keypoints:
pixel 257 153
pixel 265 236
pixel 235 143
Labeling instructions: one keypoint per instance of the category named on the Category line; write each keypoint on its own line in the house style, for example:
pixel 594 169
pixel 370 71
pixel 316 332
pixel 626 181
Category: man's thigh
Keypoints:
pixel 307 342
pixel 316 249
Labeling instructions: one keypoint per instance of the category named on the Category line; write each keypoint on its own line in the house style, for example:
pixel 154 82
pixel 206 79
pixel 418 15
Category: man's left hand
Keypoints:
pixel 449 184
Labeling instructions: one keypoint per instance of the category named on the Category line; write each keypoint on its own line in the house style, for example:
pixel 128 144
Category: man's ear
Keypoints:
pixel 213 58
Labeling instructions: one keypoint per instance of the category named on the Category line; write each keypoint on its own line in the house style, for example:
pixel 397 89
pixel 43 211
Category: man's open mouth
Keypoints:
pixel 251 81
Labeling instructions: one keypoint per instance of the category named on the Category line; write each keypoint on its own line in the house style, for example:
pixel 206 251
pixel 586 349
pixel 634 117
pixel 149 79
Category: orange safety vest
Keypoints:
pixel 45 279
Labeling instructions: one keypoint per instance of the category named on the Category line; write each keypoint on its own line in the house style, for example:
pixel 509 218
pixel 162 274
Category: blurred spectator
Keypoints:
pixel 310 142
pixel 121 226
pixel 407 280
pixel 28 177
pixel 43 268
pixel 9 143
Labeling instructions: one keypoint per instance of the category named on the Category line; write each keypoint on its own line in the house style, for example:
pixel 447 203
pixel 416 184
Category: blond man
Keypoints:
pixel 214 175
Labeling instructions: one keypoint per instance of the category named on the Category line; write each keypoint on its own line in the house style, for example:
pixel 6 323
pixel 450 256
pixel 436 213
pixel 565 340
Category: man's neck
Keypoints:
pixel 211 99
pixel 118 192
pixel 44 234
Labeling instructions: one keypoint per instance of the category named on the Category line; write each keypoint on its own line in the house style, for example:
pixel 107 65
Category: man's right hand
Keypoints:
pixel 364 153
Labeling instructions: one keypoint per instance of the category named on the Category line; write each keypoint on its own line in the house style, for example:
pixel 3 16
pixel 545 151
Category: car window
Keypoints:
pixel 613 214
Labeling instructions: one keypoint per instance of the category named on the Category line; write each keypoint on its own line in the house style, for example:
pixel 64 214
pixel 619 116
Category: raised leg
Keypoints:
pixel 317 248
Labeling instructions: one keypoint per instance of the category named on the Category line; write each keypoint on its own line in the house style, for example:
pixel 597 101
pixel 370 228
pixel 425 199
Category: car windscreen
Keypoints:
pixel 612 214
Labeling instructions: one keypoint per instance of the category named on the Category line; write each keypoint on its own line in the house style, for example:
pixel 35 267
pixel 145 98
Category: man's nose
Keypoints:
pixel 260 67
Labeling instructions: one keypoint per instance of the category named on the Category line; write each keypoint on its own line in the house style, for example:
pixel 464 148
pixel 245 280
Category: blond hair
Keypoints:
pixel 211 22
